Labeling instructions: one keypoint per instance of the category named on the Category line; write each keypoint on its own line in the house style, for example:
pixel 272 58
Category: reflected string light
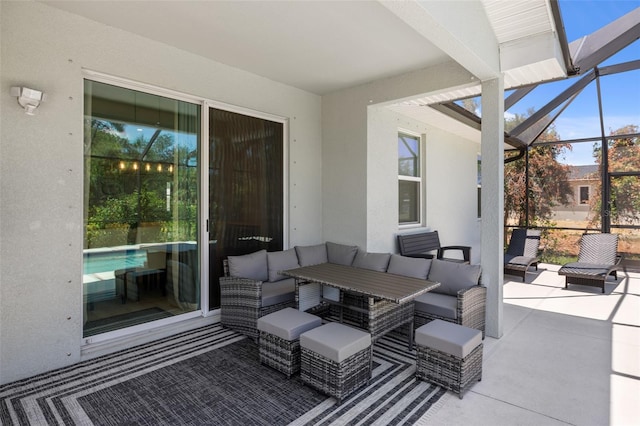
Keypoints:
pixel 148 167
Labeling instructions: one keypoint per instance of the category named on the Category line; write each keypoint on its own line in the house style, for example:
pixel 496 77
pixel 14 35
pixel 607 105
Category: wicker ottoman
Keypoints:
pixel 336 359
pixel 449 355
pixel 280 338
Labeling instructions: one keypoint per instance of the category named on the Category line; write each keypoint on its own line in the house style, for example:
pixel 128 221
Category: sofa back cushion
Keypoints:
pixel 280 261
pixel 341 254
pixel 453 276
pixel 252 266
pixel 409 266
pixel 311 255
pixel 372 261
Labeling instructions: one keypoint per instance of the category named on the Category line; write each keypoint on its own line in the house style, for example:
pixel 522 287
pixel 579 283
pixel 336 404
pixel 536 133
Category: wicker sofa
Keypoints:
pixel 253 287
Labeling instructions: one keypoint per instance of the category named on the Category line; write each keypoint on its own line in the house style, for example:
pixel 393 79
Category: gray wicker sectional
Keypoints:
pixel 253 287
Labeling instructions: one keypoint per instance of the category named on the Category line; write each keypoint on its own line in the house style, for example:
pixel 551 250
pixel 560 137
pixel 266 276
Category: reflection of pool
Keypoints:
pixel 96 262
pixel 99 280
pixel 100 264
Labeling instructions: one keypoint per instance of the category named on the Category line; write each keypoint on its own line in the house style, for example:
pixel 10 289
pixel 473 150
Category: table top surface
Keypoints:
pixel 397 288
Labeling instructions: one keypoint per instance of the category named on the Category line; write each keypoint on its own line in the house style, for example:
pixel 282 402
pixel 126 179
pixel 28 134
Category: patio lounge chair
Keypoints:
pixel 522 252
pixel 597 260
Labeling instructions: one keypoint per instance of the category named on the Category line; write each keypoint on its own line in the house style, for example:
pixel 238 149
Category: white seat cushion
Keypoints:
pixel 288 323
pixel 335 341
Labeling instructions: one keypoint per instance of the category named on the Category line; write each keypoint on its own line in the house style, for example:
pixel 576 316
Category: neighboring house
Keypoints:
pixel 584 182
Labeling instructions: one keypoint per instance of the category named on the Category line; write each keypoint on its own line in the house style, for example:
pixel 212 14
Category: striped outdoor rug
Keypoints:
pixel 211 375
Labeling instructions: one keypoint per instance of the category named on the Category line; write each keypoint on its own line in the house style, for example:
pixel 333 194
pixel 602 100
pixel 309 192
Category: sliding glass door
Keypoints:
pixel 246 188
pixel 147 204
pixel 141 256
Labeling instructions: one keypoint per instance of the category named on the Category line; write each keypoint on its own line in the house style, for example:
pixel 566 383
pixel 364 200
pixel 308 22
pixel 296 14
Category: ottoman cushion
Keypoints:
pixel 447 337
pixel 288 323
pixel 335 341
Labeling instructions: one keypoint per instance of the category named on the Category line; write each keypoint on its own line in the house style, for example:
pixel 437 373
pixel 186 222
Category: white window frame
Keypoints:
pixel 420 179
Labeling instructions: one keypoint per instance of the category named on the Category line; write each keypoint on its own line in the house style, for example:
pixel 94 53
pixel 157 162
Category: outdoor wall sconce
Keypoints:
pixel 29 99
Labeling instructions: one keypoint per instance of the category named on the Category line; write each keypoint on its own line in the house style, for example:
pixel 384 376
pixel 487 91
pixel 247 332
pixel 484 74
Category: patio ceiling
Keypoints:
pixel 324 46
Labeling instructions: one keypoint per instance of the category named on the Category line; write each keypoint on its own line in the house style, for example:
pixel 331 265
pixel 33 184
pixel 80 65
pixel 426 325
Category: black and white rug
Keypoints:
pixel 211 375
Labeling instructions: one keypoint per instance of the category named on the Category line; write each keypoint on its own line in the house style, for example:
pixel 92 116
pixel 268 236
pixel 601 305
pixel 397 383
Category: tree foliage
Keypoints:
pixel 548 179
pixel 623 156
pixel 127 186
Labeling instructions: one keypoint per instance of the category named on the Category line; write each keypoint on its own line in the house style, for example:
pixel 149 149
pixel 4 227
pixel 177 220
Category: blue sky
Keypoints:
pixel 620 92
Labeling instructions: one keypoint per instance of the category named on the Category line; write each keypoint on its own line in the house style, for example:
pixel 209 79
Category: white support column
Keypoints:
pixel 492 241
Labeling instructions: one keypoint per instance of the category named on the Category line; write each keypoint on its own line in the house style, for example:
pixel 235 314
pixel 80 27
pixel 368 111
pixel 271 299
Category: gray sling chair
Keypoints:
pixel 522 252
pixel 598 258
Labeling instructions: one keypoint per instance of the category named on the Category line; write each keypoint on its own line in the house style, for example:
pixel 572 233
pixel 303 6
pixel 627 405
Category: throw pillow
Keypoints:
pixel 341 254
pixel 311 255
pixel 453 276
pixel 252 266
pixel 372 261
pixel 281 261
pixel 409 266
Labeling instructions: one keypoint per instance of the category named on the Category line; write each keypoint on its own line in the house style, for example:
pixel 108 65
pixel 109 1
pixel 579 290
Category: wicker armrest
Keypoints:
pixel 240 292
pixel 472 307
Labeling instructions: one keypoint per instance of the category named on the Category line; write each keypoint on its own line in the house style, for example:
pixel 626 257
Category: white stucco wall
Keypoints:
pixel 449 190
pixel 452 179
pixel 359 157
pixel 41 173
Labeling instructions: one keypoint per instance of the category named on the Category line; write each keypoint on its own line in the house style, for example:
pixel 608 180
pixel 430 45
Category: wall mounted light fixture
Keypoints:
pixel 29 99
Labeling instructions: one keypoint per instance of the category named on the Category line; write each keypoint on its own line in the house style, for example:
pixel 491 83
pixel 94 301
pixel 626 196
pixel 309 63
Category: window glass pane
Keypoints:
pixel 560 245
pixel 246 196
pixel 515 193
pixel 140 203
pixel 629 246
pixel 624 152
pixel 473 105
pixel 624 208
pixel 409 201
pixel 620 102
pixel 408 155
pixel 564 187
pixel 580 207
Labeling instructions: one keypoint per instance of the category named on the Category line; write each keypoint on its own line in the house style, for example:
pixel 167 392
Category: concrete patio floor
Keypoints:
pixel 566 357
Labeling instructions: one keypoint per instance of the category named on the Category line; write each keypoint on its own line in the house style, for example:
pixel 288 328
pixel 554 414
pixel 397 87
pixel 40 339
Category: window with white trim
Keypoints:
pixel 409 179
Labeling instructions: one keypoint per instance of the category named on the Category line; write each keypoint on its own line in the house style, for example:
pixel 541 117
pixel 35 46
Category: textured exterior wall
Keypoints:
pixel 41 173
pixel 359 158
pixel 450 183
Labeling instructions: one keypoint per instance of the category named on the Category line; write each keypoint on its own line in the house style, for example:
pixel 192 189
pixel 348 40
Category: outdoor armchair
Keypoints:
pixel 248 291
pixel 460 299
pixel 423 243
pixel 598 258
pixel 522 252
